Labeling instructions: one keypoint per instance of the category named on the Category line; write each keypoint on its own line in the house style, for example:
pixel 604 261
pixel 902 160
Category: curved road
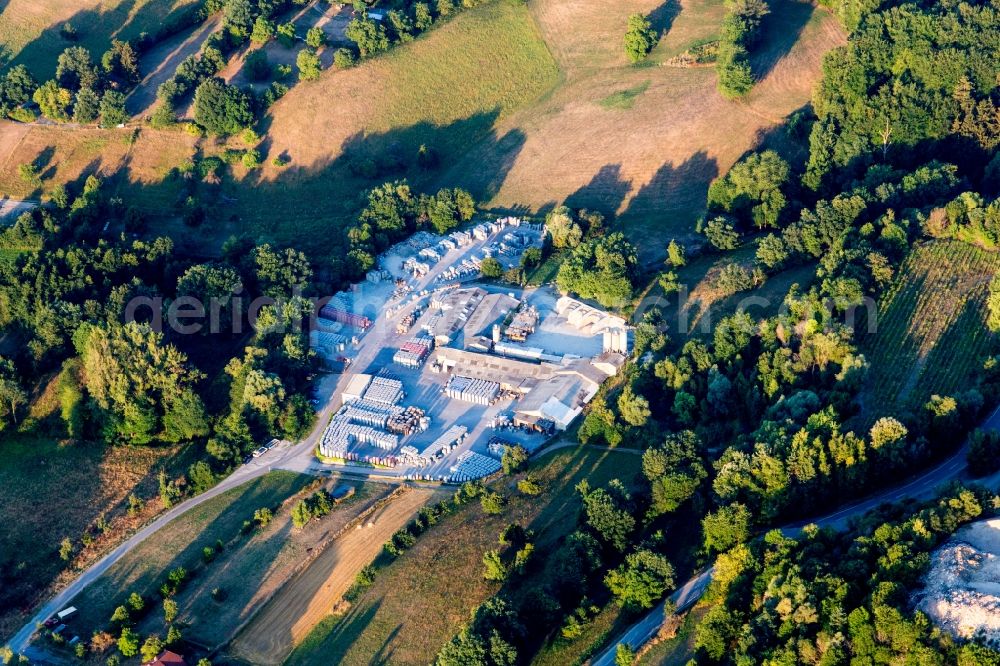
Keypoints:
pixel 258 467
pixel 299 456
pixel 925 486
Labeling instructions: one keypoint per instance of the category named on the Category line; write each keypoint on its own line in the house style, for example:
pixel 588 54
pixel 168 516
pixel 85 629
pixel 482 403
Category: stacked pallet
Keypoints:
pixel 344 317
pixel 369 413
pixel 413 352
pixel 467 389
pixel 384 390
pixel 471 465
pixel 405 421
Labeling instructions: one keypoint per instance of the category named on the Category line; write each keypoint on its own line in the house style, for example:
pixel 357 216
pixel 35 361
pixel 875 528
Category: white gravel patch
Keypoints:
pixel 962 586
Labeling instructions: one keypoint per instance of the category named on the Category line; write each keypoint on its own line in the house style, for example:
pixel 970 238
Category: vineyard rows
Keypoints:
pixel 931 335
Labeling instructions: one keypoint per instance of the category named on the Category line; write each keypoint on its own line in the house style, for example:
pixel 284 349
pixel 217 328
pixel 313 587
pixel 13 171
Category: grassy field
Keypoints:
pixel 180 543
pixel 525 105
pixel 446 90
pixel 645 141
pixel 253 571
pixel 531 107
pixel 931 335
pixel 30 29
pixel 418 602
pixel 51 490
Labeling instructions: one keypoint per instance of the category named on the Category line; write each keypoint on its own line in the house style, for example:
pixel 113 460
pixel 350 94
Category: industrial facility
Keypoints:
pixel 449 361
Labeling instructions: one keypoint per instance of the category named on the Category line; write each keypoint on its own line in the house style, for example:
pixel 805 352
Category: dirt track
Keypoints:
pixel 310 595
pixel 161 63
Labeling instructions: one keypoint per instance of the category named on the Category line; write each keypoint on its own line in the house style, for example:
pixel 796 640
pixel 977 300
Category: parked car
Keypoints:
pixel 259 452
pixel 273 443
pixel 247 459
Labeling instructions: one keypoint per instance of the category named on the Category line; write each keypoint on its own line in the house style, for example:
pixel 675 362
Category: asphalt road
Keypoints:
pixel 258 467
pixel 924 486
pixel 643 630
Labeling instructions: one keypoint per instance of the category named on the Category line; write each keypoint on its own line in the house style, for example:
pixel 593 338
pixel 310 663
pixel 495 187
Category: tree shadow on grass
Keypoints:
pixel 95 29
pixel 340 638
pixel 662 18
pixel 605 192
pixel 318 201
pixel 669 205
pixel 781 31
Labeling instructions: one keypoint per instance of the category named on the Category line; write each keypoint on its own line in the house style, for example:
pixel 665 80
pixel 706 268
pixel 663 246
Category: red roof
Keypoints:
pixel 167 658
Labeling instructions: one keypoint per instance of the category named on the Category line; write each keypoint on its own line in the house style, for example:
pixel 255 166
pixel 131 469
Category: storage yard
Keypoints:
pixel 440 365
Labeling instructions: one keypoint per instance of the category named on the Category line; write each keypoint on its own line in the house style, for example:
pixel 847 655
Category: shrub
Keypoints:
pixel 491 268
pixel 286 34
pixel 309 65
pixel 493 503
pixel 343 58
pixel 315 37
pixel 721 233
pixel 529 486
pixel 22 115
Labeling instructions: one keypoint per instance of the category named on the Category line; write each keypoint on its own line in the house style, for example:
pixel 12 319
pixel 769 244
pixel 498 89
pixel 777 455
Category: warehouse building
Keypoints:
pixel 586 319
pixel 492 311
pixel 456 307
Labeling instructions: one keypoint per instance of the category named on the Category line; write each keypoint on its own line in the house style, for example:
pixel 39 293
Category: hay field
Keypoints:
pixel 252 572
pixel 139 170
pixel 418 602
pixel 650 162
pixel 29 29
pixel 445 90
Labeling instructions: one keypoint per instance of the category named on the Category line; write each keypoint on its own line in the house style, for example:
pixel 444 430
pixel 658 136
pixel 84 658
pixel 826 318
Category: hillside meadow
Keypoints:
pixel 418 602
pixel 526 106
pixel 30 30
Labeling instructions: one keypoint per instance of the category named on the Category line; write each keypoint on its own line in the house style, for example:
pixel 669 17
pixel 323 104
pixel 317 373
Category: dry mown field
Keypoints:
pixel 29 29
pixel 245 575
pixel 445 90
pixel 650 163
pixel 528 142
pixel 527 106
pixel 180 543
pixel 418 602
pixel 311 595
pixel 51 490
pixel 251 573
